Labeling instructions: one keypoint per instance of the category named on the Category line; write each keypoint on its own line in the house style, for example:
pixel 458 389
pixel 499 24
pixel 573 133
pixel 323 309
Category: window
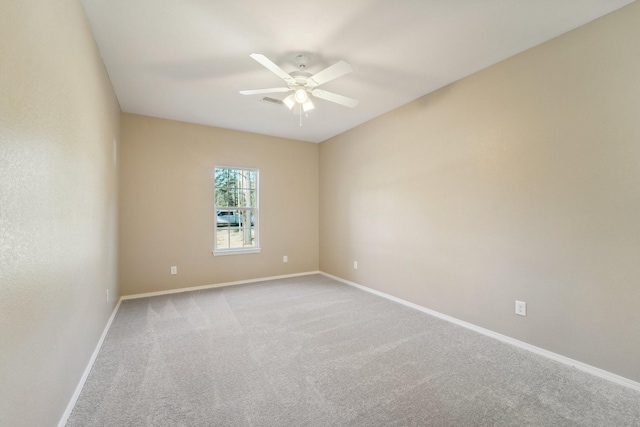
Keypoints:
pixel 236 211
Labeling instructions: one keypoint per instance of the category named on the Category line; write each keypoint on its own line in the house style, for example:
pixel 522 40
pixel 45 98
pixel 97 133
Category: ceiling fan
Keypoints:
pixel 303 84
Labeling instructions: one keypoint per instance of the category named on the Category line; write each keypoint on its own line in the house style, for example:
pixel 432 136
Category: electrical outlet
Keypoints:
pixel 355 265
pixel 107 295
pixel 285 259
pixel 521 308
pixel 174 270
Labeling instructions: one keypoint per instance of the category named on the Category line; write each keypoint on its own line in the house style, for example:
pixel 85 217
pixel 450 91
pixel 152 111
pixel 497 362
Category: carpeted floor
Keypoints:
pixel 310 351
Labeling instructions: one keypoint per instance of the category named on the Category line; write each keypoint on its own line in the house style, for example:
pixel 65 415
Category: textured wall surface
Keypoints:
pixel 519 182
pixel 59 121
pixel 166 204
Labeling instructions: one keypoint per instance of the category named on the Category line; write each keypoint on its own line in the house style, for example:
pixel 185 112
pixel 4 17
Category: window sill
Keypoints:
pixel 236 252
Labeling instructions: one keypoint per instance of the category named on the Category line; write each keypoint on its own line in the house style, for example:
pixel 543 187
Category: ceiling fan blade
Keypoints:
pixel 334 97
pixel 267 63
pixel 270 90
pixel 338 69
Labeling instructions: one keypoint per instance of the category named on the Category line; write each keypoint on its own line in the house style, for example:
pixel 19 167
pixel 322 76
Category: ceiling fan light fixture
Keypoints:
pixel 301 95
pixel 290 101
pixel 308 105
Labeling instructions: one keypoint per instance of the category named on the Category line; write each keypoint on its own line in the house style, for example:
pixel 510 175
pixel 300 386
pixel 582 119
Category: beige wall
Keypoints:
pixel 166 204
pixel 58 206
pixel 519 182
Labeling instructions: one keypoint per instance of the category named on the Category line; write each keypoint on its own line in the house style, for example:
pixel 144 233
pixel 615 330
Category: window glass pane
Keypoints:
pixel 252 198
pixel 222 238
pixel 245 237
pixel 221 197
pixel 243 198
pixel 230 196
pixel 237 178
pixel 243 217
pixel 222 176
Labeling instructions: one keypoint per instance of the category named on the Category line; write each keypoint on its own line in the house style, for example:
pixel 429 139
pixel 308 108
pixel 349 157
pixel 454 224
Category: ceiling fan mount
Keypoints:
pixel 301 61
pixel 303 84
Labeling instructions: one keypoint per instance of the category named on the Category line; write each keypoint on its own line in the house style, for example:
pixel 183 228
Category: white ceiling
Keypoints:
pixel 187 59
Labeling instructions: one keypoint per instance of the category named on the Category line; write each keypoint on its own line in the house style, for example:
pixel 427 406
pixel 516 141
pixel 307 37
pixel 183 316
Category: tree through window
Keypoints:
pixel 236 210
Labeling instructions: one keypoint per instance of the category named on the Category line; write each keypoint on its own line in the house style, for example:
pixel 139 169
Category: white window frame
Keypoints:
pixel 256 223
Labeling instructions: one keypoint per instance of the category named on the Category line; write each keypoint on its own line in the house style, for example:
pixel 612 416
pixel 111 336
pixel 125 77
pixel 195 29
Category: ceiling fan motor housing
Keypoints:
pixel 301 78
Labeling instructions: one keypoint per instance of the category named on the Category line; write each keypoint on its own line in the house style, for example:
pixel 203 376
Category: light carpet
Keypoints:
pixel 310 351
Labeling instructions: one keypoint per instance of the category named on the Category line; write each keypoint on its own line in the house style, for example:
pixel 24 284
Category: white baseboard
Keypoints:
pixel 217 285
pixel 87 370
pixel 537 350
